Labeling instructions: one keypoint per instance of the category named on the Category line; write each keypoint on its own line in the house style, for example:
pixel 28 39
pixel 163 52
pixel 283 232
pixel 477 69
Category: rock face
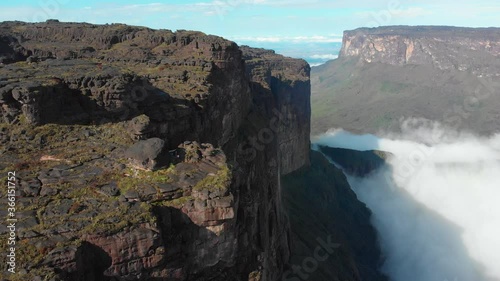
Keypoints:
pixel 354 162
pixel 283 81
pixel 332 238
pixel 80 102
pixel 465 49
pixel 389 74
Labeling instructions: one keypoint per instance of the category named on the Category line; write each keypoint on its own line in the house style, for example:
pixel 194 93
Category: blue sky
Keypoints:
pixel 311 29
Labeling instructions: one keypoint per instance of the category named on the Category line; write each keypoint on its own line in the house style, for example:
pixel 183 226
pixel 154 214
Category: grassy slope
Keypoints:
pixel 374 97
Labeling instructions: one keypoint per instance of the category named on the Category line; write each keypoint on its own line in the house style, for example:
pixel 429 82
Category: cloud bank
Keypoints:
pixel 435 205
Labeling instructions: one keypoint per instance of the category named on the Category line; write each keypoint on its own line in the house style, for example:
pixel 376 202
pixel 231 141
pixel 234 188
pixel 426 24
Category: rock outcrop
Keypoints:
pixel 147 154
pixel 354 162
pixel 117 72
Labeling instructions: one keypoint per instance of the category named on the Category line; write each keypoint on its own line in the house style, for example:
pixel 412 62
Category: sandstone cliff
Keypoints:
pixel 147 154
pixel 388 74
pixel 285 82
pixel 466 49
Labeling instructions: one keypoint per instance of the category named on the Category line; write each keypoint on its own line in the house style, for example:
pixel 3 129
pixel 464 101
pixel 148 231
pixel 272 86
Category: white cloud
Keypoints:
pixel 325 56
pixel 435 206
pixel 292 39
pixel 315 64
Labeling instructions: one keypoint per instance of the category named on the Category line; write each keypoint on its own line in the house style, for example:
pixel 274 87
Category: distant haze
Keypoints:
pixel 315 53
pixel 435 205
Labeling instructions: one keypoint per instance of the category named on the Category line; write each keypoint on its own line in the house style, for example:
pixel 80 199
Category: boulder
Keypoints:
pixel 150 154
pixel 140 126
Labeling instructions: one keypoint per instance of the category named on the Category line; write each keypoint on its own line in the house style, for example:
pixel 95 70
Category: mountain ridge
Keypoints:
pixel 403 74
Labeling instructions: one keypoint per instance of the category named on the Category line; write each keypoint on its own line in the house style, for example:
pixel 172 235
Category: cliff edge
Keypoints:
pixel 141 154
pixel 145 154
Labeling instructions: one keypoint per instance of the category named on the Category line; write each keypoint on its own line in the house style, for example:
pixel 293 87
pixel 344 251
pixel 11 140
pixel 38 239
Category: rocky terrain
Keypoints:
pixel 145 154
pixel 386 74
pixel 126 146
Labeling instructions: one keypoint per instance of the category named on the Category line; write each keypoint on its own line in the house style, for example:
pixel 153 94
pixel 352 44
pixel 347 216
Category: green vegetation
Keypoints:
pixel 392 87
pixel 116 220
pixel 383 121
pixel 134 178
pixel 321 205
pixel 219 181
pixel 176 203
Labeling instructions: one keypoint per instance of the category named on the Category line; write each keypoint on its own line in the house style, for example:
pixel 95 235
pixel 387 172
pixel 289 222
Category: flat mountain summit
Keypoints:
pixel 389 74
pixel 132 152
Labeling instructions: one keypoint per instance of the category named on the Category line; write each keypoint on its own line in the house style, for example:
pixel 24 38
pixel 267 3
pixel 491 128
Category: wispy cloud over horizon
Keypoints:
pixel 291 39
pixel 325 56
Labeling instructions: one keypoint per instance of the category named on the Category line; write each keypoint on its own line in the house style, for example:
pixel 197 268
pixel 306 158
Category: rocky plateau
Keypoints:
pixel 144 154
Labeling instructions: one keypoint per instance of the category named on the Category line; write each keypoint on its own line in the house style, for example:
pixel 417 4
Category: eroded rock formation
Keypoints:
pixel 446 48
pixel 127 143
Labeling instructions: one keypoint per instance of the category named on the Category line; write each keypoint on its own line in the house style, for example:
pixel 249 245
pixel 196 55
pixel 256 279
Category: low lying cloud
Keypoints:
pixel 435 205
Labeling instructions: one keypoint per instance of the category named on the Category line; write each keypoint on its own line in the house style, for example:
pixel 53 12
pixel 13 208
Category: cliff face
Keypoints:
pixel 446 48
pixel 285 83
pixel 127 147
pixel 389 74
pixel 332 238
